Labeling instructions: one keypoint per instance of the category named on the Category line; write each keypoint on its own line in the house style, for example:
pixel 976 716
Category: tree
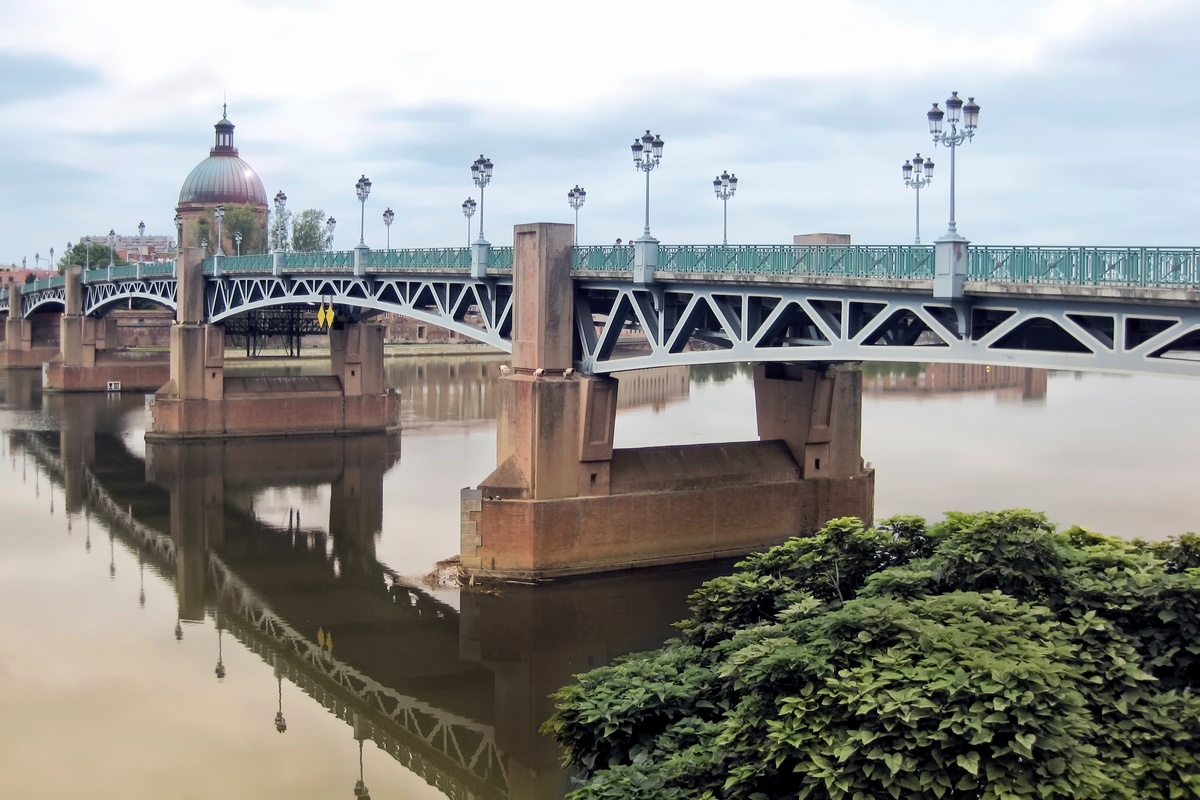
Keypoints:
pixel 241 218
pixel 989 656
pixel 309 234
pixel 91 255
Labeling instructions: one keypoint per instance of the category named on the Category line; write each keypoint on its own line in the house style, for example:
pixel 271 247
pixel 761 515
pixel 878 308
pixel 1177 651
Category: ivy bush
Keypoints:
pixel 987 656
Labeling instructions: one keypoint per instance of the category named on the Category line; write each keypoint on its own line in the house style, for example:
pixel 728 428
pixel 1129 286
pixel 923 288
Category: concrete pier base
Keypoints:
pixel 562 501
pixel 119 371
pixel 24 347
pixel 200 402
pixel 88 360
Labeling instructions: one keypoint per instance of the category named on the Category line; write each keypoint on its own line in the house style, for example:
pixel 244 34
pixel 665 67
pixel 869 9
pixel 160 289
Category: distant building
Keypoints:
pixel 137 248
pixel 224 179
pixel 15 274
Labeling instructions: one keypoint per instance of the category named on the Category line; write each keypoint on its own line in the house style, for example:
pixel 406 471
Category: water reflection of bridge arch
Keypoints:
pixel 455 754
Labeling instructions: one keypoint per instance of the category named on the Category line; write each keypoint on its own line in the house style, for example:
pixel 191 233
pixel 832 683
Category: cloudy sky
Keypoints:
pixel 1088 131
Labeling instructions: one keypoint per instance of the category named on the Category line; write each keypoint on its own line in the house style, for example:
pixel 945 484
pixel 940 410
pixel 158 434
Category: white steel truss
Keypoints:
pixel 621 326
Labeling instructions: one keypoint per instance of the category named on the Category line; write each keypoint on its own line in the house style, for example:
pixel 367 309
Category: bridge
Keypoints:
pixel 561 500
pixel 1111 309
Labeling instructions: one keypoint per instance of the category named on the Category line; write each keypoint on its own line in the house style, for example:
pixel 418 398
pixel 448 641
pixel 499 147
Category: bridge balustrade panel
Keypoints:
pixel 1159 267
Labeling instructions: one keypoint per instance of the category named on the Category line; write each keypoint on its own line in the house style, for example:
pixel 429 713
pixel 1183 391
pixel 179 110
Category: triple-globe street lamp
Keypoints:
pixel 956 111
pixel 575 198
pixel 468 209
pixel 481 175
pixel 330 224
pixel 725 185
pixel 918 174
pixel 112 243
pixel 141 236
pixel 388 217
pixel 647 153
pixel 363 189
pixel 237 240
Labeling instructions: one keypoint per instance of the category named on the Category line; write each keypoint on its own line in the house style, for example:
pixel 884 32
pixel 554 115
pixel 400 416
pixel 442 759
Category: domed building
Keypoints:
pixel 224 179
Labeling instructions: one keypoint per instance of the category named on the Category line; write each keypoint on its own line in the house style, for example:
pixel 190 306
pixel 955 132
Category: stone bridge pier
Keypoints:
pixel 562 501
pixel 199 401
pixel 88 360
pixel 28 341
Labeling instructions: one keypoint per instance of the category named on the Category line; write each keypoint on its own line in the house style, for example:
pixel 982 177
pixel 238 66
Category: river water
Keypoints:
pixel 169 609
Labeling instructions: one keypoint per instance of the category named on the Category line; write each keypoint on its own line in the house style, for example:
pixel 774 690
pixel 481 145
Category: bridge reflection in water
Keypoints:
pixel 454 695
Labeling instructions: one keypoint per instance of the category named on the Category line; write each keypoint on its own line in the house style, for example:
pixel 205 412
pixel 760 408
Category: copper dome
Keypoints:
pixel 223 177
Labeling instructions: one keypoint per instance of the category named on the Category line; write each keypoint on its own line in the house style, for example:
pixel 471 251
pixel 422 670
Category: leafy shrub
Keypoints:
pixel 989 656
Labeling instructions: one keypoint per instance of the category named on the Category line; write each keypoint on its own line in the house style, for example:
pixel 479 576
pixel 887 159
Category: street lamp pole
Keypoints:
pixel 388 217
pixel 918 174
pixel 363 189
pixel 575 199
pixel 468 208
pixel 219 213
pixel 112 242
pixel 237 240
pixel 955 112
pixel 647 153
pixel 330 224
pixel 141 235
pixel 481 174
pixel 725 185
pixel 280 208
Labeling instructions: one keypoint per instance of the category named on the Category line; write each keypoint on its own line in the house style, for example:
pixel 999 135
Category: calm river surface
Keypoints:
pixel 248 621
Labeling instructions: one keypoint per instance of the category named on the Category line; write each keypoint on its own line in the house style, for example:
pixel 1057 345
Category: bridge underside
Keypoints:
pixel 623 327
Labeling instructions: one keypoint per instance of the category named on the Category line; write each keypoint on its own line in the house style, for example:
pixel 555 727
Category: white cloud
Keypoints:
pixel 814 105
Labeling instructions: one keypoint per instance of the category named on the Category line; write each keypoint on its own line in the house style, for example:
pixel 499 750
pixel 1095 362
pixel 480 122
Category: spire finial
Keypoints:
pixel 225 106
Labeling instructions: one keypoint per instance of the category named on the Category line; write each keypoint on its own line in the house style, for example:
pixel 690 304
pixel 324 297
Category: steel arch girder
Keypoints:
pixel 442 300
pixel 161 290
pixel 755 323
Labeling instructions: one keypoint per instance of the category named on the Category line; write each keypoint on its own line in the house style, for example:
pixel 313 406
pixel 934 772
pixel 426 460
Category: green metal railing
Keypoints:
pixel 1163 267
pixel 256 263
pixel 911 262
pixel 1087 266
pixel 607 258
pixel 418 259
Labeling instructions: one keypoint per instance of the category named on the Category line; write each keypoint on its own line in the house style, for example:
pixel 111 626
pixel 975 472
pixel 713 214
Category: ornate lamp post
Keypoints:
pixel 956 111
pixel 51 258
pixel 237 240
pixel 388 217
pixel 141 235
pixel 918 178
pixel 725 185
pixel 647 154
pixel 363 189
pixel 70 253
pixel 575 199
pixel 178 232
pixel 219 213
pixel 112 242
pixel 280 208
pixel 468 208
pixel 330 224
pixel 481 174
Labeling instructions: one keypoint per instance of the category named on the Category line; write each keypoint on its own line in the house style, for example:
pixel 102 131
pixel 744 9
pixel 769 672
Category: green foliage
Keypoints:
pixel 988 656
pixel 91 256
pixel 308 232
pixel 241 218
